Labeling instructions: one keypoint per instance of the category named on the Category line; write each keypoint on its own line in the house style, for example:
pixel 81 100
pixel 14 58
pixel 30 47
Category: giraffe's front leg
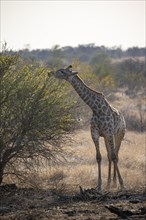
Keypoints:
pixel 95 137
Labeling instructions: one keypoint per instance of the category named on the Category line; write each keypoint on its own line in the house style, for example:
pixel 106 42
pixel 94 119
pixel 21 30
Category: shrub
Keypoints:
pixel 35 114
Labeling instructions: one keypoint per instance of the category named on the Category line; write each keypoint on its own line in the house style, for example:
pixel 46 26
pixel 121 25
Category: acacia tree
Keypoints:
pixel 35 113
pixel 131 73
pixel 103 69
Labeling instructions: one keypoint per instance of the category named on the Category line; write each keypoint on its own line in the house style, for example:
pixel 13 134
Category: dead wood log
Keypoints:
pixel 92 194
pixel 7 187
pixel 119 212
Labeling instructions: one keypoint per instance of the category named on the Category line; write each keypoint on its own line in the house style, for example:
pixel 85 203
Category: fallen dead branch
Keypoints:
pixel 125 214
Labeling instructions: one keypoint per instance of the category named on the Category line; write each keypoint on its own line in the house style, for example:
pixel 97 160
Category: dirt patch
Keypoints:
pixel 32 204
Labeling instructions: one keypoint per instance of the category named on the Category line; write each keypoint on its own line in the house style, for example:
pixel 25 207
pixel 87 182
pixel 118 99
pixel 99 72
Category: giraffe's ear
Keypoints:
pixel 69 67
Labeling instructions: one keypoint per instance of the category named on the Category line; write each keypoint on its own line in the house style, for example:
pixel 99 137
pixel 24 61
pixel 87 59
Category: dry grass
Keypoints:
pixel 81 168
pixel 132 160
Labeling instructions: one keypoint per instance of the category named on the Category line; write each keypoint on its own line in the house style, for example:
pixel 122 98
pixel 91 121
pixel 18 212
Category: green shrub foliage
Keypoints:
pixel 35 112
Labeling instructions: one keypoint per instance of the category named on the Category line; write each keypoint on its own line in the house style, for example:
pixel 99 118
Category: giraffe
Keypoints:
pixel 106 122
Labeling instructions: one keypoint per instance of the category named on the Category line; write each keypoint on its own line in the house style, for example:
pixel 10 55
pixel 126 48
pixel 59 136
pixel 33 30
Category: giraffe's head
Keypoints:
pixel 65 73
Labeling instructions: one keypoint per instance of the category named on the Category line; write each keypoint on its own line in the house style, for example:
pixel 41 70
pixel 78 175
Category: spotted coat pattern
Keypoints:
pixel 106 122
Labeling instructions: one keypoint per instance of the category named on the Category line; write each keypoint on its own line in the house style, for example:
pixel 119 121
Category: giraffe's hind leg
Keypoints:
pixel 118 140
pixel 110 163
pixel 112 155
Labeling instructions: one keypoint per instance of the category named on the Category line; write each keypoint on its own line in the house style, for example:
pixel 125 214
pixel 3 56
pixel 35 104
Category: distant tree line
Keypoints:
pixel 112 66
pixel 83 52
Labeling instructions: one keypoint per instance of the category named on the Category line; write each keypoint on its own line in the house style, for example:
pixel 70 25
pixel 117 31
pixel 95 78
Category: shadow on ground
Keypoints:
pixel 32 204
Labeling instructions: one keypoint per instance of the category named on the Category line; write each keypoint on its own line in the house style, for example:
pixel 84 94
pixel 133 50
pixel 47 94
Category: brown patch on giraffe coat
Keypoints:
pixel 104 108
pixel 107 118
pixel 99 105
pixel 84 90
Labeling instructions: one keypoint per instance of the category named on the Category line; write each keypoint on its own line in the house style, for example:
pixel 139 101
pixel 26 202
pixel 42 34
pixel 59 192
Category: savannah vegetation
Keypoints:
pixel 44 125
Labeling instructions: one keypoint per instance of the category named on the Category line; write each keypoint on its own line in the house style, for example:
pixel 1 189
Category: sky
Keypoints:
pixel 43 24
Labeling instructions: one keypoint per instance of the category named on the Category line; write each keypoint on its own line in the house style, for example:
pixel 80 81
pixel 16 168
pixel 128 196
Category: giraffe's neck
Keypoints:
pixel 88 95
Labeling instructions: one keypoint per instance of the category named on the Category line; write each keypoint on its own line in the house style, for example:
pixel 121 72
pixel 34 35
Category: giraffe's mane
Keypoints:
pixel 98 93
